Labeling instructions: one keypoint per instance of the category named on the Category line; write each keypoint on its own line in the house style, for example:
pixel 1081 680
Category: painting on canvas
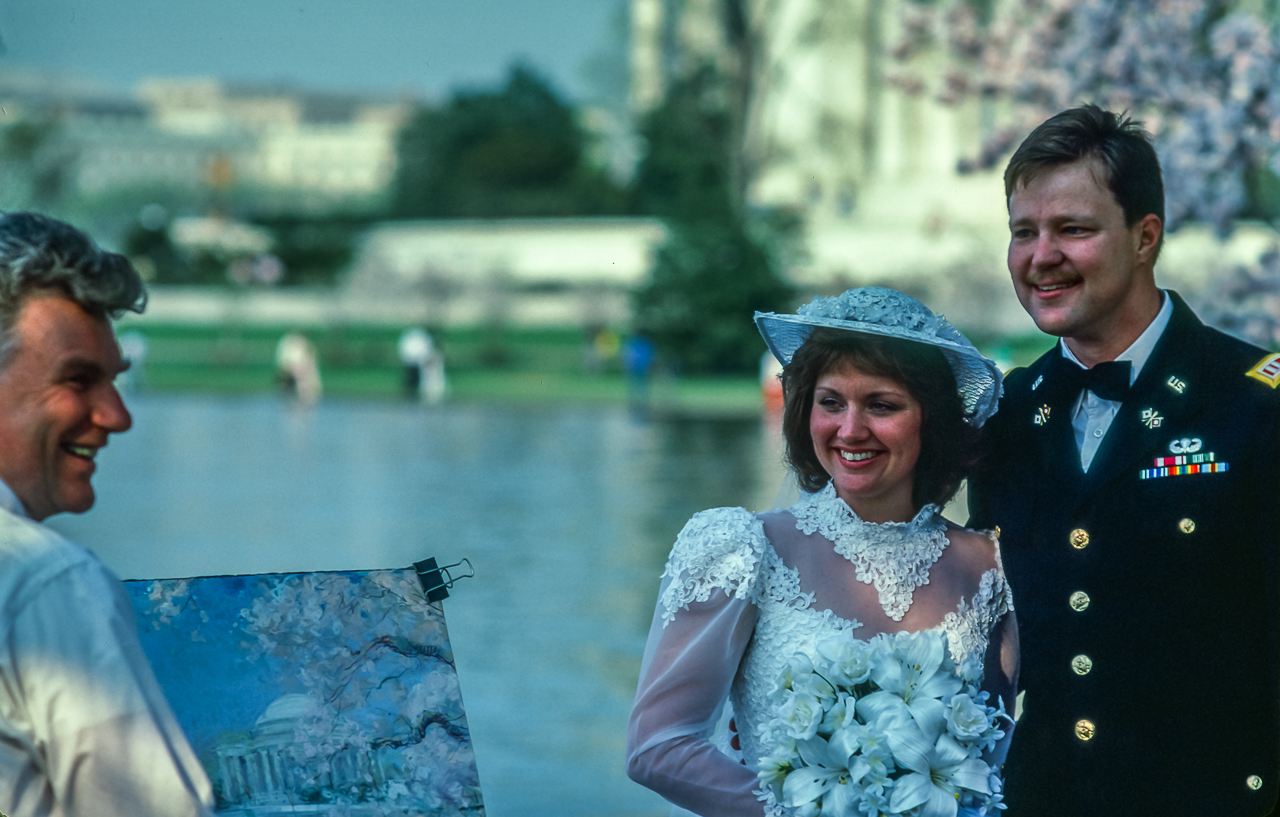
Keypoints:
pixel 314 693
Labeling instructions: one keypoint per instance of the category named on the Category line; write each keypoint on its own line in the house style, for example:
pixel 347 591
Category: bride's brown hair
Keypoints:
pixel 947 443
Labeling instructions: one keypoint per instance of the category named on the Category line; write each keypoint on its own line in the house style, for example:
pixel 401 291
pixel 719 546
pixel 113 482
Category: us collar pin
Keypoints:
pixel 1151 418
pixel 1036 384
pixel 1177 385
pixel 1042 415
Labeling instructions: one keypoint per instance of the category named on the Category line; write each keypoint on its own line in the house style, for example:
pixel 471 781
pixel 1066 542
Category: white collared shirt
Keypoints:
pixel 1091 418
pixel 84 727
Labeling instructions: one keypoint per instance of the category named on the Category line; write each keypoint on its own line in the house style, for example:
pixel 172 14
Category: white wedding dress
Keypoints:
pixel 743 593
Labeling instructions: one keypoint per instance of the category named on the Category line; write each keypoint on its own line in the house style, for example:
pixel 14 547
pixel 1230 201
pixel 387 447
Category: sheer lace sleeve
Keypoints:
pixel 1000 672
pixel 703 622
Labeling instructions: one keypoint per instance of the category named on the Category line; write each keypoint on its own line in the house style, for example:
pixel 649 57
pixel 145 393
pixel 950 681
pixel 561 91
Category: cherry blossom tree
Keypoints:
pixel 1202 75
pixel 378 663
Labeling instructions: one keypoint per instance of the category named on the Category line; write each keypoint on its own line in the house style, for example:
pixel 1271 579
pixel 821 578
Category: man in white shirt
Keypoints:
pixel 84 727
pixel 1134 474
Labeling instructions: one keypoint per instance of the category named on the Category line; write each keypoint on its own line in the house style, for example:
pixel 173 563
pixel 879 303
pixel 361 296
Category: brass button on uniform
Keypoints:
pixel 1254 782
pixel 1082 664
pixel 1079 539
pixel 1187 526
pixel 1085 730
pixel 1079 601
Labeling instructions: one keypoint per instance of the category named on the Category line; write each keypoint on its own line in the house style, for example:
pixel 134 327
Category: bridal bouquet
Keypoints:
pixel 887 726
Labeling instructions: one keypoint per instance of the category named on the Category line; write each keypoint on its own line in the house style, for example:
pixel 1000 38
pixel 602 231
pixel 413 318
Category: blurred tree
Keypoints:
pixel 713 272
pixel 33 164
pixel 686 172
pixel 148 246
pixel 313 250
pixel 518 151
pixel 708 280
pixel 1201 74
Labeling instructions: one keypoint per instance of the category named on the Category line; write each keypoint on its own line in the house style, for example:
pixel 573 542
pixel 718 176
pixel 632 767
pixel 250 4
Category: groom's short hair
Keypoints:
pixel 1118 143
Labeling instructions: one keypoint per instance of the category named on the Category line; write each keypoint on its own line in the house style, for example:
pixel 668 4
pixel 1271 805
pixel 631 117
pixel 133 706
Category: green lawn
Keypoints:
pixel 528 366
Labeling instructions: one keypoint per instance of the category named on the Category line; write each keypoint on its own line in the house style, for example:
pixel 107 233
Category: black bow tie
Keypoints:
pixel 1108 380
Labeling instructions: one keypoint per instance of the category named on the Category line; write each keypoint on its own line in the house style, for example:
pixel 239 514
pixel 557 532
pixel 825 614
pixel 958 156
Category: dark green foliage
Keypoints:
pixel 33 158
pixel 1262 187
pixel 685 174
pixel 712 274
pixel 313 251
pixel 708 281
pixel 154 255
pixel 518 151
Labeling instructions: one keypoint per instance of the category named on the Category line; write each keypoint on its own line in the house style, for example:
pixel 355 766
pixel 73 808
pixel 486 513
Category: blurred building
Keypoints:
pixel 831 132
pixel 325 144
pixel 284 149
pixel 572 271
pixel 508 272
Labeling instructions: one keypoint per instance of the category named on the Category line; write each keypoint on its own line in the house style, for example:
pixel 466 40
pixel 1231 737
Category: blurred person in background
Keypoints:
pixel 297 369
pixel 638 355
pixel 84 727
pixel 423 366
pixel 1134 471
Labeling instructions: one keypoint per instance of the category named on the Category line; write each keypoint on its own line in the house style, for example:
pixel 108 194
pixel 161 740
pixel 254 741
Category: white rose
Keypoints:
pixel 966 720
pixel 850 660
pixel 799 667
pixel 800 714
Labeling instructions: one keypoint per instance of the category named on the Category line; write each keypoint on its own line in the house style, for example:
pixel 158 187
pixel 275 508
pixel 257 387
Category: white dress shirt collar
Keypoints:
pixel 1140 349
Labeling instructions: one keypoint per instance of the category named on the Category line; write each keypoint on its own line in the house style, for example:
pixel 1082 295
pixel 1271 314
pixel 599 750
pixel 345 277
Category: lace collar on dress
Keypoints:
pixel 894 556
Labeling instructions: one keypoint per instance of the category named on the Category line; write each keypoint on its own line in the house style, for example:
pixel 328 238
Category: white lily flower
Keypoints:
pixel 939 773
pixel 910 684
pixel 775 766
pixel 839 715
pixel 830 776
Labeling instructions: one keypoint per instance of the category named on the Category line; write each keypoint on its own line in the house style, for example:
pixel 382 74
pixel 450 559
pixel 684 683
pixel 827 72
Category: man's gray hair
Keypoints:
pixel 42 253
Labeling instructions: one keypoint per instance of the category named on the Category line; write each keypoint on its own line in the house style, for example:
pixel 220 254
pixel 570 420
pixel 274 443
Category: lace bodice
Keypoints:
pixel 895 556
pixel 728 550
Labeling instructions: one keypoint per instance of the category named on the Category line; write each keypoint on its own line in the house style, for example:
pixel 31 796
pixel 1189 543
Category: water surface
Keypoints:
pixel 567 515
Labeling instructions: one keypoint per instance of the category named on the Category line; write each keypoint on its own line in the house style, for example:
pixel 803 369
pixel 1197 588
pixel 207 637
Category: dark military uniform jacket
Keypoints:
pixel 1146 589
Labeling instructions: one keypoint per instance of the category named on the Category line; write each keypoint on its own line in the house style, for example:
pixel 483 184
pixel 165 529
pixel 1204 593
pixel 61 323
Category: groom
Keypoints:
pixel 1134 473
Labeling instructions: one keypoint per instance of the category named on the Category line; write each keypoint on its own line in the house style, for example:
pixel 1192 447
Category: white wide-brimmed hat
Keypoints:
pixel 891 314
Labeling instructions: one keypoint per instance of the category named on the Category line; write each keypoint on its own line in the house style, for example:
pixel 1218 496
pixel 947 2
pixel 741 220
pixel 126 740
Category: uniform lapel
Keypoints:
pixel 1160 400
pixel 1059 455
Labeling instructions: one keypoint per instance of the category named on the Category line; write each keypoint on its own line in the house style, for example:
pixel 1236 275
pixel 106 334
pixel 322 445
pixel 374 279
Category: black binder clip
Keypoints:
pixel 437 580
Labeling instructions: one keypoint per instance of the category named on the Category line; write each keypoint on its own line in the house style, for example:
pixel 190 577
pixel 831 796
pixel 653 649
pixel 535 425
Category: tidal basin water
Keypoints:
pixel 567 515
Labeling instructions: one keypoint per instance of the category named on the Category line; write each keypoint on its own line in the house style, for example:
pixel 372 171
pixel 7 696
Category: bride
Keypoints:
pixel 883 403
